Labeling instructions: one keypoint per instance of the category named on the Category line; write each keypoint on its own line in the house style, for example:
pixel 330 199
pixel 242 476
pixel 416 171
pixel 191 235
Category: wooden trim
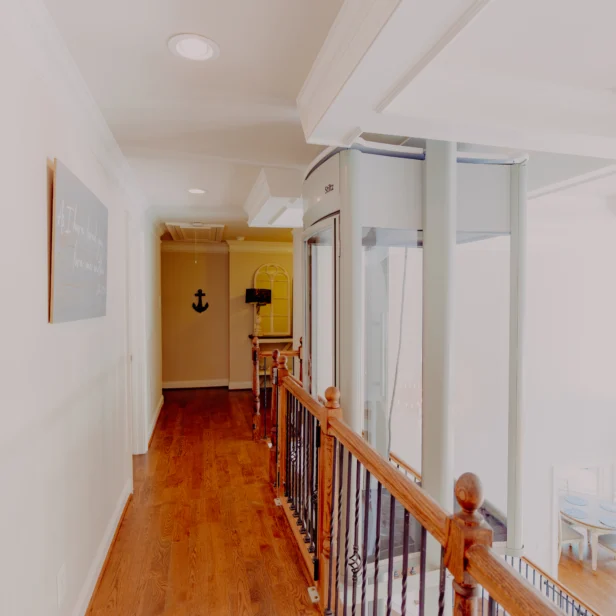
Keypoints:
pixel 403 465
pixel 294 353
pixel 295 387
pixel 558 584
pixel 419 504
pixel 508 588
pixel 299 539
pixel 129 500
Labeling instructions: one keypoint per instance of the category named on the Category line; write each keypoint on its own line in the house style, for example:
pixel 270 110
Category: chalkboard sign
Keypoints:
pixel 78 250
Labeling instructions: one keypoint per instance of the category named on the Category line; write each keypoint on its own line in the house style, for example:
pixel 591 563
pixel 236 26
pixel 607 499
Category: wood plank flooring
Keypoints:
pixel 599 588
pixel 202 535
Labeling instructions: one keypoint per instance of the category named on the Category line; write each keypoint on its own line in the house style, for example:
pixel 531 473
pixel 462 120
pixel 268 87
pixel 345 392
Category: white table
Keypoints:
pixel 591 523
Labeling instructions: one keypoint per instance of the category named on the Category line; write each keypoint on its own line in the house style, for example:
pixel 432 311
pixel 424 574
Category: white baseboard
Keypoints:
pixel 195 384
pixel 155 418
pixel 240 384
pixel 101 553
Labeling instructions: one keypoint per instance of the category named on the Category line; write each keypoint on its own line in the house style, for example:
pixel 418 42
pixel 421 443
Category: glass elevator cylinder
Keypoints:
pixel 363 233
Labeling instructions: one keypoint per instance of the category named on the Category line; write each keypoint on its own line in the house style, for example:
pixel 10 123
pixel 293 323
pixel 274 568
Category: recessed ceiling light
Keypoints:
pixel 196 191
pixel 193 47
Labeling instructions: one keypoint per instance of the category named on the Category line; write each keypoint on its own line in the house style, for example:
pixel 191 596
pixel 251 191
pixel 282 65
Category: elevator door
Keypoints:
pixel 322 314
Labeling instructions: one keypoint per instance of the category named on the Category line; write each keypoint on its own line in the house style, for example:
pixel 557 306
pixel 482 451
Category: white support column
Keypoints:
pixel 351 296
pixel 439 236
pixel 515 540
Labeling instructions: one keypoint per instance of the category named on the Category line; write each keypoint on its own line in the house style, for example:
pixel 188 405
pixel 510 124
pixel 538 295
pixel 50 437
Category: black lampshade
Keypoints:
pixel 258 296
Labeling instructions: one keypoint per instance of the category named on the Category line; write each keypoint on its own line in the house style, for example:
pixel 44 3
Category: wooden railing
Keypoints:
pixel 258 430
pixel 370 535
pixel 554 590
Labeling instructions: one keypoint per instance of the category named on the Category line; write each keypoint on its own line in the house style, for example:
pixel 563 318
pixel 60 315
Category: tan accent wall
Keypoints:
pixel 195 346
pixel 242 268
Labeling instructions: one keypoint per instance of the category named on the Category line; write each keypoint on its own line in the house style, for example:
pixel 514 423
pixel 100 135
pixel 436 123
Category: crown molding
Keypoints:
pixel 64 81
pixel 192 247
pixel 355 28
pixel 260 247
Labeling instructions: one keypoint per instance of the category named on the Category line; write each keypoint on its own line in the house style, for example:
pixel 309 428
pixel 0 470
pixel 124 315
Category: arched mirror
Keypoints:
pixel 275 317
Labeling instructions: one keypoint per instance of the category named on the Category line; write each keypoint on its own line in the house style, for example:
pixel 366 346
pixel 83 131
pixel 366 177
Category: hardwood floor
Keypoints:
pixel 597 589
pixel 202 535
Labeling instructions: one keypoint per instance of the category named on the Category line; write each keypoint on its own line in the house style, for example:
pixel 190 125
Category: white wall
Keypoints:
pixel 65 449
pixel 570 389
pixel 570 401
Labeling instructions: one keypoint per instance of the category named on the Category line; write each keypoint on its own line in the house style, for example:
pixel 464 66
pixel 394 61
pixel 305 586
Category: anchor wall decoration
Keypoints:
pixel 200 307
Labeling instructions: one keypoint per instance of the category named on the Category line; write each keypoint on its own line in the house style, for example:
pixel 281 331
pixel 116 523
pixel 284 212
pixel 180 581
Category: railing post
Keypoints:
pixel 326 489
pixel 274 419
pixel 281 432
pixel 256 417
pixel 466 529
pixel 301 359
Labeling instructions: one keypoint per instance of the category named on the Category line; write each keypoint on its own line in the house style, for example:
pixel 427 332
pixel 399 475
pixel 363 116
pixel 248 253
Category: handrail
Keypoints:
pixel 404 465
pixel 465 538
pixel 560 585
pixel 510 590
pixel 398 461
pixel 289 353
pixel 420 504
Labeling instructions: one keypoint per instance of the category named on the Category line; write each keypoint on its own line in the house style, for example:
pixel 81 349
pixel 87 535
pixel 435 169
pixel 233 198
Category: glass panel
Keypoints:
pixel 480 397
pixel 321 302
pixel 392 265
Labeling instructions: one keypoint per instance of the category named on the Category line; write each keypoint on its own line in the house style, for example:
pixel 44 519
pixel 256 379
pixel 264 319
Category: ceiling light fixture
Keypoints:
pixel 193 47
pixel 196 191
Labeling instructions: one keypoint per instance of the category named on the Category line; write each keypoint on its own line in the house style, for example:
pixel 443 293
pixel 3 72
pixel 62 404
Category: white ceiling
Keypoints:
pixel 519 74
pixel 211 125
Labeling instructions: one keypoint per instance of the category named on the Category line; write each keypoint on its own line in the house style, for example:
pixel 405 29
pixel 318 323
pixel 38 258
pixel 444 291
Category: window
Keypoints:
pixel 275 317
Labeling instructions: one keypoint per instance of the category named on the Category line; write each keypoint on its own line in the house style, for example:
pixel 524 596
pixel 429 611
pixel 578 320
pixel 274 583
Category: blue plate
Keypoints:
pixel 578 514
pixel 576 500
pixel 611 507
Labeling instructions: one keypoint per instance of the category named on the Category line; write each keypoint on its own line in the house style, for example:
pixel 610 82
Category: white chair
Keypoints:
pixel 567 535
pixel 608 542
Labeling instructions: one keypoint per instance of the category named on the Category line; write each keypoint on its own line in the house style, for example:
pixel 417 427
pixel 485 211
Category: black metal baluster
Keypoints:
pixel 364 558
pixel 292 448
pixel 491 607
pixel 390 567
pixel 377 549
pixel 441 584
pixel 328 610
pixel 422 572
pixel 296 436
pixel 405 560
pixel 355 561
pixel 311 441
pixel 287 453
pixel 306 441
pixel 301 510
pixel 346 532
pixel 315 487
pixel 339 538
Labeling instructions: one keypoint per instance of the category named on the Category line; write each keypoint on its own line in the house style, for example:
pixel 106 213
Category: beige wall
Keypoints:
pixel 241 276
pixel 195 346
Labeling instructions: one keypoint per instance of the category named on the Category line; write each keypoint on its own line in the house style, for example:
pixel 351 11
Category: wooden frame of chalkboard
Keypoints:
pixel 79 223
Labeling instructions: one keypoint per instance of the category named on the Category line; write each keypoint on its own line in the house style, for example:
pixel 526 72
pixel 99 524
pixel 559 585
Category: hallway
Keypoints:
pixel 202 535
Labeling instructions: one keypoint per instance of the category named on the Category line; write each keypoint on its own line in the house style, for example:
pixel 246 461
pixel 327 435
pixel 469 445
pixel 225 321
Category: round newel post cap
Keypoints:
pixel 255 341
pixel 275 355
pixel 332 395
pixel 283 361
pixel 469 492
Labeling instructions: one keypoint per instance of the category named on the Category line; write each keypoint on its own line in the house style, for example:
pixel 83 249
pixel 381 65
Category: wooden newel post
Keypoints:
pixel 466 529
pixel 326 492
pixel 274 418
pixel 256 417
pixel 281 432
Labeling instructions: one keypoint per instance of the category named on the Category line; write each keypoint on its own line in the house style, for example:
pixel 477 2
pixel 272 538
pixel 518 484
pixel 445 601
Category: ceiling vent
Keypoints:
pixel 195 231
